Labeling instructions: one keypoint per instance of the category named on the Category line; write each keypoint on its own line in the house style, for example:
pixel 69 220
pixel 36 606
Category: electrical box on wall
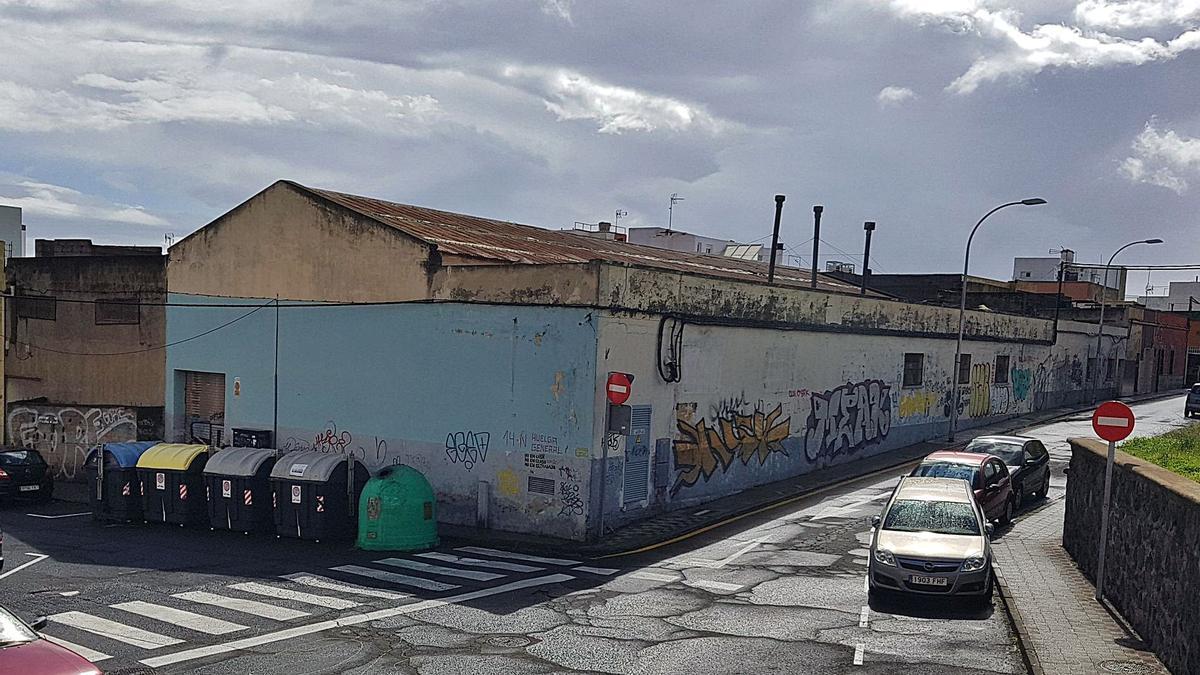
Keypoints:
pixel 252 438
pixel 619 418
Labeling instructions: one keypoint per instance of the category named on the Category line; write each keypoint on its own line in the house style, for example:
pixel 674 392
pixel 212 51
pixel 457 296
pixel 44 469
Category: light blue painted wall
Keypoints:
pixel 428 385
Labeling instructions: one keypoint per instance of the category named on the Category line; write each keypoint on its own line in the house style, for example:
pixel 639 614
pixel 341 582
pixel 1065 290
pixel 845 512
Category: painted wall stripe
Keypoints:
pixel 244 606
pixel 297 596
pixel 179 617
pixel 318 581
pixel 394 578
pixel 438 569
pixel 476 562
pixel 87 653
pixel 496 553
pixel 114 630
pixel 352 620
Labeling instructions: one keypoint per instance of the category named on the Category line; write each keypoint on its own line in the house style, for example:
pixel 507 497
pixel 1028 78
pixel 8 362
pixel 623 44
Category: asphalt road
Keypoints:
pixel 780 593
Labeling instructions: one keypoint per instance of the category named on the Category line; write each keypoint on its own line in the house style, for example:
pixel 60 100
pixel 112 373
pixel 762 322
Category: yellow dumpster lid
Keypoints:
pixel 171 456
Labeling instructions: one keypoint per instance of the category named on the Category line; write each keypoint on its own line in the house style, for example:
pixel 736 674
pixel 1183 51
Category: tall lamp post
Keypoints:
pixel 1103 299
pixel 962 308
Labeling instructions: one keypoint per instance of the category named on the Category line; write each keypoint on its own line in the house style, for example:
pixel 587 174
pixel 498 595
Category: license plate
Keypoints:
pixel 29 488
pixel 929 581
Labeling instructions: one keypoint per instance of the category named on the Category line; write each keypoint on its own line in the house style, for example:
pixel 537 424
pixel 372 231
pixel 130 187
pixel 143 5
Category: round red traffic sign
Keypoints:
pixel 618 388
pixel 1113 421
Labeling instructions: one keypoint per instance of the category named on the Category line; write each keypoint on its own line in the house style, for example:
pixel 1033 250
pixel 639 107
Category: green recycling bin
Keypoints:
pixel 397 512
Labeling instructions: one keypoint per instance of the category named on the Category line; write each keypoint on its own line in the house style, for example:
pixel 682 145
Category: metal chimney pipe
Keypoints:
pixel 775 238
pixel 869 226
pixel 817 210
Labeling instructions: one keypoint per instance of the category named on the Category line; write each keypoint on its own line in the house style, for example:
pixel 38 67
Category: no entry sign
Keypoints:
pixel 1113 421
pixel 618 387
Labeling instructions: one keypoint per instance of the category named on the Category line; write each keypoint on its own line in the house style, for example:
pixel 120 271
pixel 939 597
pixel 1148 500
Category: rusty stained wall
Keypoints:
pixel 67 378
pixel 659 291
pixel 567 284
pixel 286 243
pixel 757 405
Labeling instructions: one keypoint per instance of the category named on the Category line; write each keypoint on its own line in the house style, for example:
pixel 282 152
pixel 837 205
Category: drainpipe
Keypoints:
pixel 775 238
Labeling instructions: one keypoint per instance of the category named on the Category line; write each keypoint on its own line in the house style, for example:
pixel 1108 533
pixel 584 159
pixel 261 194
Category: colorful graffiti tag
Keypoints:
pixel 702 449
pixel 1022 380
pixel 848 418
pixel 65 435
pixel 980 404
pixel 918 403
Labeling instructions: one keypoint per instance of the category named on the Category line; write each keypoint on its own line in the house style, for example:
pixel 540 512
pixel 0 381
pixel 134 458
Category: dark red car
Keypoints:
pixel 987 475
pixel 24 651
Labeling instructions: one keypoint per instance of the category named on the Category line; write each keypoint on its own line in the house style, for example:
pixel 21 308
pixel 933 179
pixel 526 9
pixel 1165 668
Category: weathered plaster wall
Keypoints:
pixel 571 284
pixel 1152 562
pixel 493 404
pixel 757 405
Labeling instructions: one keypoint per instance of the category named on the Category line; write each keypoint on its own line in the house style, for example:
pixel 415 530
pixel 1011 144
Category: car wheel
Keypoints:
pixel 985 600
pixel 1007 516
pixel 1045 490
pixel 1018 497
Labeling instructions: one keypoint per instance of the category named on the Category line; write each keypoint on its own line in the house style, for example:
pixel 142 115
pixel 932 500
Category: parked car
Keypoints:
pixel 1027 460
pixel 1192 405
pixel 932 539
pixel 987 476
pixel 24 473
pixel 23 650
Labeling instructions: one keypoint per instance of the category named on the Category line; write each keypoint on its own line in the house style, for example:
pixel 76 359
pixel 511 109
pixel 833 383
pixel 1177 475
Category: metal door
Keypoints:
pixel 203 407
pixel 637 456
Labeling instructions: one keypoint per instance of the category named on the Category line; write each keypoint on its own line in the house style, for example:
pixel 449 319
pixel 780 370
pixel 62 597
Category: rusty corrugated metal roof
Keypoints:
pixel 498 240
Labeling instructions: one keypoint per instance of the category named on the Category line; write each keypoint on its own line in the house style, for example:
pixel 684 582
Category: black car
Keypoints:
pixel 1027 461
pixel 24 474
pixel 1192 405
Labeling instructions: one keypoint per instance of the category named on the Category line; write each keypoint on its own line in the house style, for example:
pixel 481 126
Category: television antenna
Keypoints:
pixel 618 215
pixel 675 199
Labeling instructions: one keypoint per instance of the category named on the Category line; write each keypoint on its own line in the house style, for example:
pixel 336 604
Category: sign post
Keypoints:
pixel 617 389
pixel 1112 421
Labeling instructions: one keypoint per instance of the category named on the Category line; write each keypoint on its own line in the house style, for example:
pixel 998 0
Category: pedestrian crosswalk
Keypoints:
pixel 139 629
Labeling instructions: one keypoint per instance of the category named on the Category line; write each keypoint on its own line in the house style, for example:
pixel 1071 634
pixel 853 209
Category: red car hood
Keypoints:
pixel 42 657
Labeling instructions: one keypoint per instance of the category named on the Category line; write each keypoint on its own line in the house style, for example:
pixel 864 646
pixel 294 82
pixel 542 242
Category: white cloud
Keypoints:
pixel 893 95
pixel 572 96
pixel 1121 15
pixel 55 201
pixel 1162 158
pixel 1017 53
pixel 558 8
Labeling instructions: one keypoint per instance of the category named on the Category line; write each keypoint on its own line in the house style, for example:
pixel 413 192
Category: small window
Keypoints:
pixel 1001 369
pixel 914 370
pixel 964 369
pixel 1110 370
pixel 1091 367
pixel 708 249
pixel 31 307
pixel 125 311
pixel 699 248
pixel 1026 274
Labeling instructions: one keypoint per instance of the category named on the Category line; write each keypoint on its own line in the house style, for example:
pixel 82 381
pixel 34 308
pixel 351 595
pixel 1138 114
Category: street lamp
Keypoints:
pixel 962 307
pixel 1103 298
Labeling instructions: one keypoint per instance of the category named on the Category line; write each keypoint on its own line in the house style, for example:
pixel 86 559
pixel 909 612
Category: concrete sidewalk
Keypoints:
pixel 1062 628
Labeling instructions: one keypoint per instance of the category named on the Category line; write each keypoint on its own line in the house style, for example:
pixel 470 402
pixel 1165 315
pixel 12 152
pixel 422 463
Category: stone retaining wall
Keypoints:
pixel 1153 559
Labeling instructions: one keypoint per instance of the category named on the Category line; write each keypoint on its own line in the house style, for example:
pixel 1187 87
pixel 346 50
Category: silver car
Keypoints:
pixel 932 539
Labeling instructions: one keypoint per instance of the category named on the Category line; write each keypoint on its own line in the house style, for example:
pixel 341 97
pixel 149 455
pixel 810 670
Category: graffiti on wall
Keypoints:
pixel 917 403
pixel 65 435
pixel 848 418
pixel 569 493
pixel 702 448
pixel 980 404
pixel 467 448
pixel 1022 380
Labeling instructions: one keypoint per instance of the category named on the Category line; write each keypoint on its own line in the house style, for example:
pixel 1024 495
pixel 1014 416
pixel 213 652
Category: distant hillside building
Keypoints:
pixel 12 231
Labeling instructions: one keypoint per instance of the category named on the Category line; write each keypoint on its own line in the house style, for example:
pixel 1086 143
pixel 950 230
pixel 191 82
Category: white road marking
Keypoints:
pixel 864 616
pixel 654 576
pixel 37 558
pixel 298 596
pixel 89 654
pixel 244 606
pixel 438 569
pixel 476 562
pixel 65 515
pixel 605 571
pixel 317 581
pixel 713 585
pixel 718 564
pixel 69 594
pixel 393 577
pixel 178 617
pixel 858 654
pixel 114 631
pixel 496 553
pixel 866 584
pixel 352 620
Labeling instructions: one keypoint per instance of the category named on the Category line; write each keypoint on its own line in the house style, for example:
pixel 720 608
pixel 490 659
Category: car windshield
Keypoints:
pixel 13 631
pixel 919 515
pixel 947 470
pixel 20 458
pixel 1006 450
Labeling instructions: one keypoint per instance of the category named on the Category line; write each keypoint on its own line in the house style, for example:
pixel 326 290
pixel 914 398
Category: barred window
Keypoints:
pixel 914 370
pixel 36 307
pixel 123 311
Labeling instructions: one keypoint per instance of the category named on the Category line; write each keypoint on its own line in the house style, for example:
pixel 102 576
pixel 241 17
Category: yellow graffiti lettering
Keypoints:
pixel 917 403
pixel 981 390
pixel 700 449
pixel 507 483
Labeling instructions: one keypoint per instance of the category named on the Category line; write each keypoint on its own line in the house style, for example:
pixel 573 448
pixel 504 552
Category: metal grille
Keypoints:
pixel 637 456
pixel 935 566
pixel 541 486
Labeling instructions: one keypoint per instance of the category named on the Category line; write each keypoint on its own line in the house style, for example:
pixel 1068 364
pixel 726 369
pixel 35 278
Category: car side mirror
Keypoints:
pixel 989 529
pixel 992 487
pixel 875 520
pixel 40 623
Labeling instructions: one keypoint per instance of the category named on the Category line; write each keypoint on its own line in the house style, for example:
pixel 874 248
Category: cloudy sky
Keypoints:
pixel 125 120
